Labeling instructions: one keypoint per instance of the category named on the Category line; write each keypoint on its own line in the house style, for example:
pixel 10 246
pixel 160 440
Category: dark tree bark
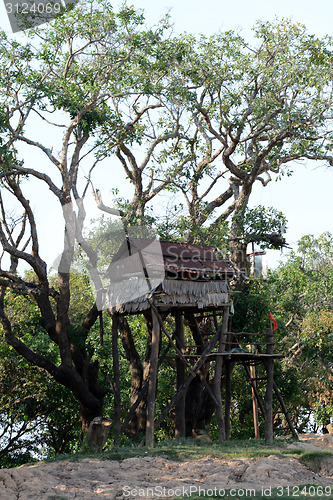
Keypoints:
pixel 199 406
pixel 138 421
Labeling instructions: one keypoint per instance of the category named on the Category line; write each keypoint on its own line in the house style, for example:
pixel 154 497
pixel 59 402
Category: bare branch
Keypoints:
pixel 104 208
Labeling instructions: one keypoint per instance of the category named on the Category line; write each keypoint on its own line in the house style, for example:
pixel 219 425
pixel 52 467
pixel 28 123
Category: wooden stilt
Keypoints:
pixel 269 402
pixel 180 377
pixel 269 388
pixel 227 408
pixel 255 390
pixel 218 374
pixel 116 380
pixel 254 401
pixel 152 380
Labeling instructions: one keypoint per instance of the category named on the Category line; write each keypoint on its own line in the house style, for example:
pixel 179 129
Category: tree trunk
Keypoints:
pixel 199 408
pixel 237 245
pixel 87 415
pixel 138 422
pixel 228 370
pixel 238 256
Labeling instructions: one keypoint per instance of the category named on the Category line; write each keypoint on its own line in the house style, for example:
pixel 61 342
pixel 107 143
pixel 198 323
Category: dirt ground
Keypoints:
pixel 158 477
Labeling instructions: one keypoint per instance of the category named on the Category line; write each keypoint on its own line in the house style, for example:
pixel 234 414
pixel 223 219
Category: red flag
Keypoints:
pixel 274 321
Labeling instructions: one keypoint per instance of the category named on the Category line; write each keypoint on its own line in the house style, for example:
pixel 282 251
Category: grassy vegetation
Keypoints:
pixel 186 449
pixel 314 459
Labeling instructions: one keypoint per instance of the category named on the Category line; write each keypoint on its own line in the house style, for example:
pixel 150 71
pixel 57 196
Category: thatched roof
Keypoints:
pixel 168 274
pixel 188 260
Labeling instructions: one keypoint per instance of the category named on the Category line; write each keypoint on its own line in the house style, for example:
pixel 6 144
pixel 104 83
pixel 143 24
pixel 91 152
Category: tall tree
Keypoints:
pixel 96 76
pixel 253 110
pixel 97 84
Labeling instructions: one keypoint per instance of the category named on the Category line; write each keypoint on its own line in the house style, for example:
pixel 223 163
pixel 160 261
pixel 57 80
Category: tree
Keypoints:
pixel 97 76
pixel 253 111
pixel 102 86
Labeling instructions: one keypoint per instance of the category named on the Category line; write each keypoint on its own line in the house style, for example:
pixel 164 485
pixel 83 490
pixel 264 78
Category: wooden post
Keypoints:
pixel 254 399
pixel 180 377
pixel 269 388
pixel 227 398
pixel 254 403
pixel 218 374
pixel 116 379
pixel 151 397
pixel 255 390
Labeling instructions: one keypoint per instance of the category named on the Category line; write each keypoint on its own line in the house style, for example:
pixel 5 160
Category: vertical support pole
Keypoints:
pixel 269 388
pixel 254 402
pixel 151 397
pixel 218 374
pixel 116 379
pixel 254 398
pixel 180 377
pixel 227 399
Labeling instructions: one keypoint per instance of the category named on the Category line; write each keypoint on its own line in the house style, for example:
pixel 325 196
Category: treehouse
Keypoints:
pixel 182 290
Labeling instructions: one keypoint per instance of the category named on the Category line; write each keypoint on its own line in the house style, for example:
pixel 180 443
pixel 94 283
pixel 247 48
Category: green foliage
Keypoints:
pixel 302 292
pixel 252 307
pixel 259 224
pixel 317 335
pixel 323 413
pixel 175 226
pixel 38 417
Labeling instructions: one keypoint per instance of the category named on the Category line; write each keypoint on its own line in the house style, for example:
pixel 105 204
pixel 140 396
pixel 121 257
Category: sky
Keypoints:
pixel 306 196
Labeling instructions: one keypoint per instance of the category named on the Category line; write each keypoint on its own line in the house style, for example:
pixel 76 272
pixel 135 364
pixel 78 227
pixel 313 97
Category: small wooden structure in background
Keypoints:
pixel 190 283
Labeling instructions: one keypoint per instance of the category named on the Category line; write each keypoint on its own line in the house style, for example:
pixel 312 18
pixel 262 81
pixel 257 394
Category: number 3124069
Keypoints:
pixel 33 8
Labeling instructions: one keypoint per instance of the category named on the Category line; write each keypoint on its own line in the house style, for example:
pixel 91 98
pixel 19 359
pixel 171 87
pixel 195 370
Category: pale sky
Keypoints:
pixel 306 197
pixel 198 16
